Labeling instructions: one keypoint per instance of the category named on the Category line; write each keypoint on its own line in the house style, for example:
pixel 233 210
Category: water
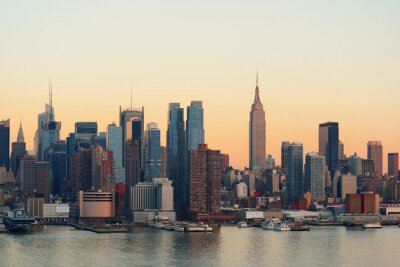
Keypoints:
pixel 229 246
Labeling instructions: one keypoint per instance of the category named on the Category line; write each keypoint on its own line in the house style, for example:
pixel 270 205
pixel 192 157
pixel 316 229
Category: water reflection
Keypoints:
pixel 229 246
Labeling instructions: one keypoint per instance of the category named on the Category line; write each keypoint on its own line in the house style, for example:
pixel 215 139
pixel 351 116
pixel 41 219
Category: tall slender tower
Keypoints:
pixel 257 132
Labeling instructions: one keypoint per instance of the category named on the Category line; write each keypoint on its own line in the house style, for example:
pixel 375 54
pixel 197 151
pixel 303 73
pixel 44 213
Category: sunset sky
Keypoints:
pixel 317 60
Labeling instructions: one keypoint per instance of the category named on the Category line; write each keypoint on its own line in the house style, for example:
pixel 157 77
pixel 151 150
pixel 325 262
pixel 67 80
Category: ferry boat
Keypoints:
pixel 198 228
pixel 280 227
pixel 269 225
pixel 18 221
pixel 242 224
pixel 372 225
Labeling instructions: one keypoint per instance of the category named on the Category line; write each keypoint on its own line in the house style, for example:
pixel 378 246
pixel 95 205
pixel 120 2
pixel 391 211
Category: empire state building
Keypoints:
pixel 257 133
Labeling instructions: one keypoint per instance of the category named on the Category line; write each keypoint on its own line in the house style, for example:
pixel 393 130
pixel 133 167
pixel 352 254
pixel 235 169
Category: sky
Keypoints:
pixel 317 61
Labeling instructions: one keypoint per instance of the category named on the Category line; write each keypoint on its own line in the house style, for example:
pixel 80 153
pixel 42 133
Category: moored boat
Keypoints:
pixel 242 224
pixel 372 225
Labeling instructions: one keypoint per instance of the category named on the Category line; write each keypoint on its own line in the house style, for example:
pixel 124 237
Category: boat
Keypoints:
pixel 169 226
pixel 18 221
pixel 372 225
pixel 151 224
pixel 269 225
pixel 179 228
pixel 280 227
pixel 160 225
pixel 242 224
pixel 198 228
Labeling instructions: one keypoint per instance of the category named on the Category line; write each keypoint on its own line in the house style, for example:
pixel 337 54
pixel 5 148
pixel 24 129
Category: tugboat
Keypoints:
pixel 18 222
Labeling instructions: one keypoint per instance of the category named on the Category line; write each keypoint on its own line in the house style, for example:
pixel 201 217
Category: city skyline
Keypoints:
pixel 348 78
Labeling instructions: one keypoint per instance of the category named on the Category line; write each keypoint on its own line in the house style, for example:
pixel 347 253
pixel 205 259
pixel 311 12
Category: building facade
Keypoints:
pixel 329 145
pixel 375 153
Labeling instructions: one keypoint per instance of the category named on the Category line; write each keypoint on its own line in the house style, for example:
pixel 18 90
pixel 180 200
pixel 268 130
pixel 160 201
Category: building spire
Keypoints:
pixel 51 116
pixel 257 94
pixel 20 137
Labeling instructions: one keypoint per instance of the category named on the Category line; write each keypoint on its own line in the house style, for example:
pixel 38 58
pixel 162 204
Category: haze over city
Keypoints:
pixel 317 62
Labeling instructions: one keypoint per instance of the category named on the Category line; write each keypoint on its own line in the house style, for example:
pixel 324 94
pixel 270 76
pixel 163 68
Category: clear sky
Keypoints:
pixel 318 61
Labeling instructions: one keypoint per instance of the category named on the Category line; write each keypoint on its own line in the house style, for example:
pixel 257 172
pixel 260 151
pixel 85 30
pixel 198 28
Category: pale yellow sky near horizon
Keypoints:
pixel 318 61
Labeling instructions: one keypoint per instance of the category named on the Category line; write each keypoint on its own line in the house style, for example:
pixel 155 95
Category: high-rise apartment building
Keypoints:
pixel 375 153
pixel 204 166
pixel 257 133
pixel 329 145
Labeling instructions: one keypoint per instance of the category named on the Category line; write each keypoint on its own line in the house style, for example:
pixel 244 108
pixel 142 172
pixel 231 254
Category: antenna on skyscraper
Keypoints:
pixel 51 99
pixel 257 77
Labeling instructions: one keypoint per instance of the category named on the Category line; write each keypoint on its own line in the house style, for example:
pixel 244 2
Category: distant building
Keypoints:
pixel 152 152
pixel 34 177
pixel 366 203
pixel 269 162
pixel 176 155
pixel 329 144
pixel 114 144
pixel 355 165
pixel 56 212
pixel 241 190
pixel 368 168
pixel 294 178
pixel 93 206
pixel 163 167
pixel 18 151
pixel 204 181
pixel 155 195
pixel 56 155
pixel 194 125
pixel 285 156
pixel 393 164
pixel 315 176
pixel 84 133
pixel 375 153
pixel 5 144
pixel 344 184
pixel 341 150
pixel 257 133
pixel 34 207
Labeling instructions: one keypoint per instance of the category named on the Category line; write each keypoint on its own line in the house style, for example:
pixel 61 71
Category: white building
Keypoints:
pixel 165 194
pixel 57 212
pixel 241 190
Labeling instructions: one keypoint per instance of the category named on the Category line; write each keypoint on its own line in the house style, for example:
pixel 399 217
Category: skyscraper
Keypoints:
pixel 294 178
pixel 114 144
pixel 375 153
pixel 176 153
pixel 18 151
pixel 48 130
pixel 132 170
pixel 393 164
pixel 314 180
pixel 257 129
pixel 356 165
pixel 5 144
pixel 56 155
pixel 341 150
pixel 194 125
pixel 152 149
pixel 126 118
pixel 329 145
